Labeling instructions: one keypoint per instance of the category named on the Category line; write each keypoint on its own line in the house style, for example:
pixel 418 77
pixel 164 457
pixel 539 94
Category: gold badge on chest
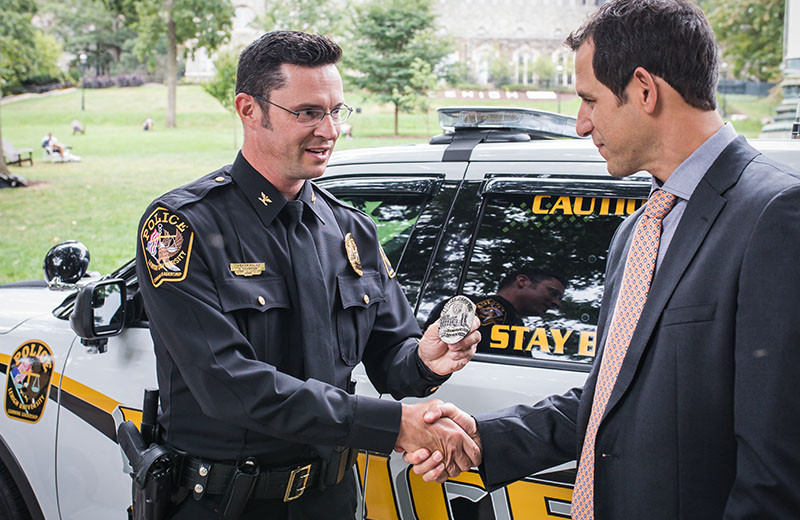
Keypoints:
pixel 352 254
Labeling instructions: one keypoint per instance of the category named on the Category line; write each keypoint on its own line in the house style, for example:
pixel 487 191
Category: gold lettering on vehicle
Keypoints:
pixel 513 338
pixel 567 205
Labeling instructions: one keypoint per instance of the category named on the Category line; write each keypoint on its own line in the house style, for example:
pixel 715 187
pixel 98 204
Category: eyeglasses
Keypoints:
pixel 313 116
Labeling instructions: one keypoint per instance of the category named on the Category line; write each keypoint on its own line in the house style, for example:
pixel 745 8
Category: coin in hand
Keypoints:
pixel 455 321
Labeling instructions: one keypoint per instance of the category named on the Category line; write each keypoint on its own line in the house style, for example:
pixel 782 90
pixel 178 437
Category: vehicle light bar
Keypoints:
pixel 537 122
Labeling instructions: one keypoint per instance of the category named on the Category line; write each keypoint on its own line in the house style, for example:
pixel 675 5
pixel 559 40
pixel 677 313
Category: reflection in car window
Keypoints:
pixel 394 215
pixel 536 272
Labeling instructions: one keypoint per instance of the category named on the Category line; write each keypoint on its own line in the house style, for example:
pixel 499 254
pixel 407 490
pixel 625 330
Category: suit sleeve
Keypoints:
pixel 222 371
pixel 767 357
pixel 525 439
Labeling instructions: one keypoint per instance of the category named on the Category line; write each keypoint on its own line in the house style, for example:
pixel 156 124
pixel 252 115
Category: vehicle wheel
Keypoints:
pixel 12 507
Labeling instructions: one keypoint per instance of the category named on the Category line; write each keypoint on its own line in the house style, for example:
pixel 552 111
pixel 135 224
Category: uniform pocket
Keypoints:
pixel 261 293
pixel 359 296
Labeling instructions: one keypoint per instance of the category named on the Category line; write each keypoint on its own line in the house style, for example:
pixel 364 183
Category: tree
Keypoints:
pixel 189 23
pixel 92 27
pixel 17 47
pixel 223 86
pixel 388 36
pixel 750 33
pixel 304 15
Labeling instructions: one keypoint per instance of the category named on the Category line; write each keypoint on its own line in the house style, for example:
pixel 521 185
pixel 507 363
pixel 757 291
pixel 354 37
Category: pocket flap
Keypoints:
pixel 688 314
pixel 360 291
pixel 254 293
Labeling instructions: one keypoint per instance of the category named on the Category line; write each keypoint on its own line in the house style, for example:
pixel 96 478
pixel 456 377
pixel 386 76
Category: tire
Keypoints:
pixel 12 507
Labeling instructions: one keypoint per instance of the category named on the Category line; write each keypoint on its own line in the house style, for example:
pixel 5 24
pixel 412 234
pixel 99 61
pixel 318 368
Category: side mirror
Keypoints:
pixel 99 312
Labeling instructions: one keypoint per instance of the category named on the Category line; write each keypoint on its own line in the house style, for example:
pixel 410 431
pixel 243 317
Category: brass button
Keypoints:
pixel 198 488
pixel 220 179
pixel 261 300
pixel 203 471
pixel 366 299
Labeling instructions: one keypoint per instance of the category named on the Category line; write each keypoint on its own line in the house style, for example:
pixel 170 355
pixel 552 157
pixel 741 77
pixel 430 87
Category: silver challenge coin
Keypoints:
pixel 456 319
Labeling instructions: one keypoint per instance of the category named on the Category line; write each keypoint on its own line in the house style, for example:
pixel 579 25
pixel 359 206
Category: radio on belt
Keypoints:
pixel 456 319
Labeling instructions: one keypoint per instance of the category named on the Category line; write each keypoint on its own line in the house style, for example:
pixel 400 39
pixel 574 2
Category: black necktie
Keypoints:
pixel 312 298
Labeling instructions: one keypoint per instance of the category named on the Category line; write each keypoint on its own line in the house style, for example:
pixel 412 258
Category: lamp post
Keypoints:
pixel 559 70
pixel 83 83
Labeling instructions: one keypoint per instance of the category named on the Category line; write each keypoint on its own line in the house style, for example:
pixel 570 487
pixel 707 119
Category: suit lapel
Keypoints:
pixel 701 211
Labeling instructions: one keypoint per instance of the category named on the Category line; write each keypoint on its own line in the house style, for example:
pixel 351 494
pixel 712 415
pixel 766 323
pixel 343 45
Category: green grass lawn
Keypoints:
pixel 99 200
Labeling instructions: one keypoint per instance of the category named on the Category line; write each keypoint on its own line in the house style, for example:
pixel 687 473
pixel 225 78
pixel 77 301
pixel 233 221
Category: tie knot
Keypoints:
pixel 660 203
pixel 294 210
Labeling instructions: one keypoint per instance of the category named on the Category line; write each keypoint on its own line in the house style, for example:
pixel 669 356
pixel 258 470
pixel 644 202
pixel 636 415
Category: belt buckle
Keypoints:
pixel 301 476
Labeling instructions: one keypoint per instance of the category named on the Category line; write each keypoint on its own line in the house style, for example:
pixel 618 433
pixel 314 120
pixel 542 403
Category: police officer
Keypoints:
pixel 263 292
pixel 522 292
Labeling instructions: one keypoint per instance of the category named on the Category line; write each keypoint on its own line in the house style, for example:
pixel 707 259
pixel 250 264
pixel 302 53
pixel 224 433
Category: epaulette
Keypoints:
pixel 197 189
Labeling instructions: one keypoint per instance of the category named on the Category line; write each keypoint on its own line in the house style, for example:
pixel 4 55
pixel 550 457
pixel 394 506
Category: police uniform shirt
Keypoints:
pixel 218 284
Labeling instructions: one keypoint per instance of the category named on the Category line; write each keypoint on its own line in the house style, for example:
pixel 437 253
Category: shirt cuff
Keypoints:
pixel 429 375
pixel 376 424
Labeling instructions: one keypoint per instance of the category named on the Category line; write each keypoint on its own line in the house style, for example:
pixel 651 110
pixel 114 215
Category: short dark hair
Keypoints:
pixel 536 276
pixel 671 39
pixel 259 70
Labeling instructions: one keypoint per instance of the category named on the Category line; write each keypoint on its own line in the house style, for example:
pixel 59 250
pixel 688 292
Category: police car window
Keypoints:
pixel 394 215
pixel 536 272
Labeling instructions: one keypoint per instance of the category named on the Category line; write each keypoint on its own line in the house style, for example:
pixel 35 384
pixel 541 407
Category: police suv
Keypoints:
pixel 494 193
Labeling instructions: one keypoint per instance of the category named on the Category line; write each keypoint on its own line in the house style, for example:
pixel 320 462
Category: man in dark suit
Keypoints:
pixel 700 419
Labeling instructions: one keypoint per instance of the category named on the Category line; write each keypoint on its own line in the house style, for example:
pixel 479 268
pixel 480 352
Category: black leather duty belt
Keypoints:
pixel 201 476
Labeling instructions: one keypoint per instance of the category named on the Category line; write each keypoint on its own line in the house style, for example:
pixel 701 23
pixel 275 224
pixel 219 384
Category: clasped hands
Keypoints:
pixel 439 440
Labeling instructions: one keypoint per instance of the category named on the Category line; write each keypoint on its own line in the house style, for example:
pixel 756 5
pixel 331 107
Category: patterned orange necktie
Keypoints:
pixel 639 268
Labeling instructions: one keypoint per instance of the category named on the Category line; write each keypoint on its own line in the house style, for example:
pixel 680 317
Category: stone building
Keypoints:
pixel 513 33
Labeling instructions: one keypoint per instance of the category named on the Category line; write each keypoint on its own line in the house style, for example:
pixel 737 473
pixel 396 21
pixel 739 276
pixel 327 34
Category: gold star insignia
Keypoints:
pixel 264 199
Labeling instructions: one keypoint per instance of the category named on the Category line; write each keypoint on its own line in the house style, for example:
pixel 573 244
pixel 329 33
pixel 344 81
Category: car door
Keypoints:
pixel 98 390
pixel 559 219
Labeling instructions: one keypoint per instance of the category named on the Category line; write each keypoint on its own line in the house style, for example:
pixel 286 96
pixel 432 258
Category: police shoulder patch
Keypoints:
pixel 166 242
pixel 491 312
pixel 387 264
pixel 30 371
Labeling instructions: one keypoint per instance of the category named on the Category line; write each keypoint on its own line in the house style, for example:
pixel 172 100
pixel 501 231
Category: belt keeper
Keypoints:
pixel 200 485
pixel 240 489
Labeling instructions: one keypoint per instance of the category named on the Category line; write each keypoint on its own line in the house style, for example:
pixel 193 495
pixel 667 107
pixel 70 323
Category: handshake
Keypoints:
pixel 439 440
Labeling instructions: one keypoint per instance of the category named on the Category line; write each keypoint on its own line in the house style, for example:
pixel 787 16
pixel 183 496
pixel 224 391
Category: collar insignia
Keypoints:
pixel 264 199
pixel 247 269
pixel 352 254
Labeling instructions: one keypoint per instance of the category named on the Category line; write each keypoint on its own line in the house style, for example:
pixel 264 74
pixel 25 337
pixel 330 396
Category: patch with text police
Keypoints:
pixel 167 245
pixel 30 370
pixel 456 319
pixel 491 311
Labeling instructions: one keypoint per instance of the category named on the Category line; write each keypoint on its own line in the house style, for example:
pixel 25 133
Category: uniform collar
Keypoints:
pixel 308 194
pixel 265 199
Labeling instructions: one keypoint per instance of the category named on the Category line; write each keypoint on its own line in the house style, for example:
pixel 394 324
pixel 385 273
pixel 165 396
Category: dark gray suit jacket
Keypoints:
pixel 704 420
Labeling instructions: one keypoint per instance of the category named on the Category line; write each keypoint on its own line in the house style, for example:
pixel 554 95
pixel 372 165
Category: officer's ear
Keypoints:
pixel 248 109
pixel 523 281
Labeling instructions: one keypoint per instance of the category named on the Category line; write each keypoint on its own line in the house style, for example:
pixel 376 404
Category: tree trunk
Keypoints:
pixel 396 117
pixel 172 65
pixel 3 167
